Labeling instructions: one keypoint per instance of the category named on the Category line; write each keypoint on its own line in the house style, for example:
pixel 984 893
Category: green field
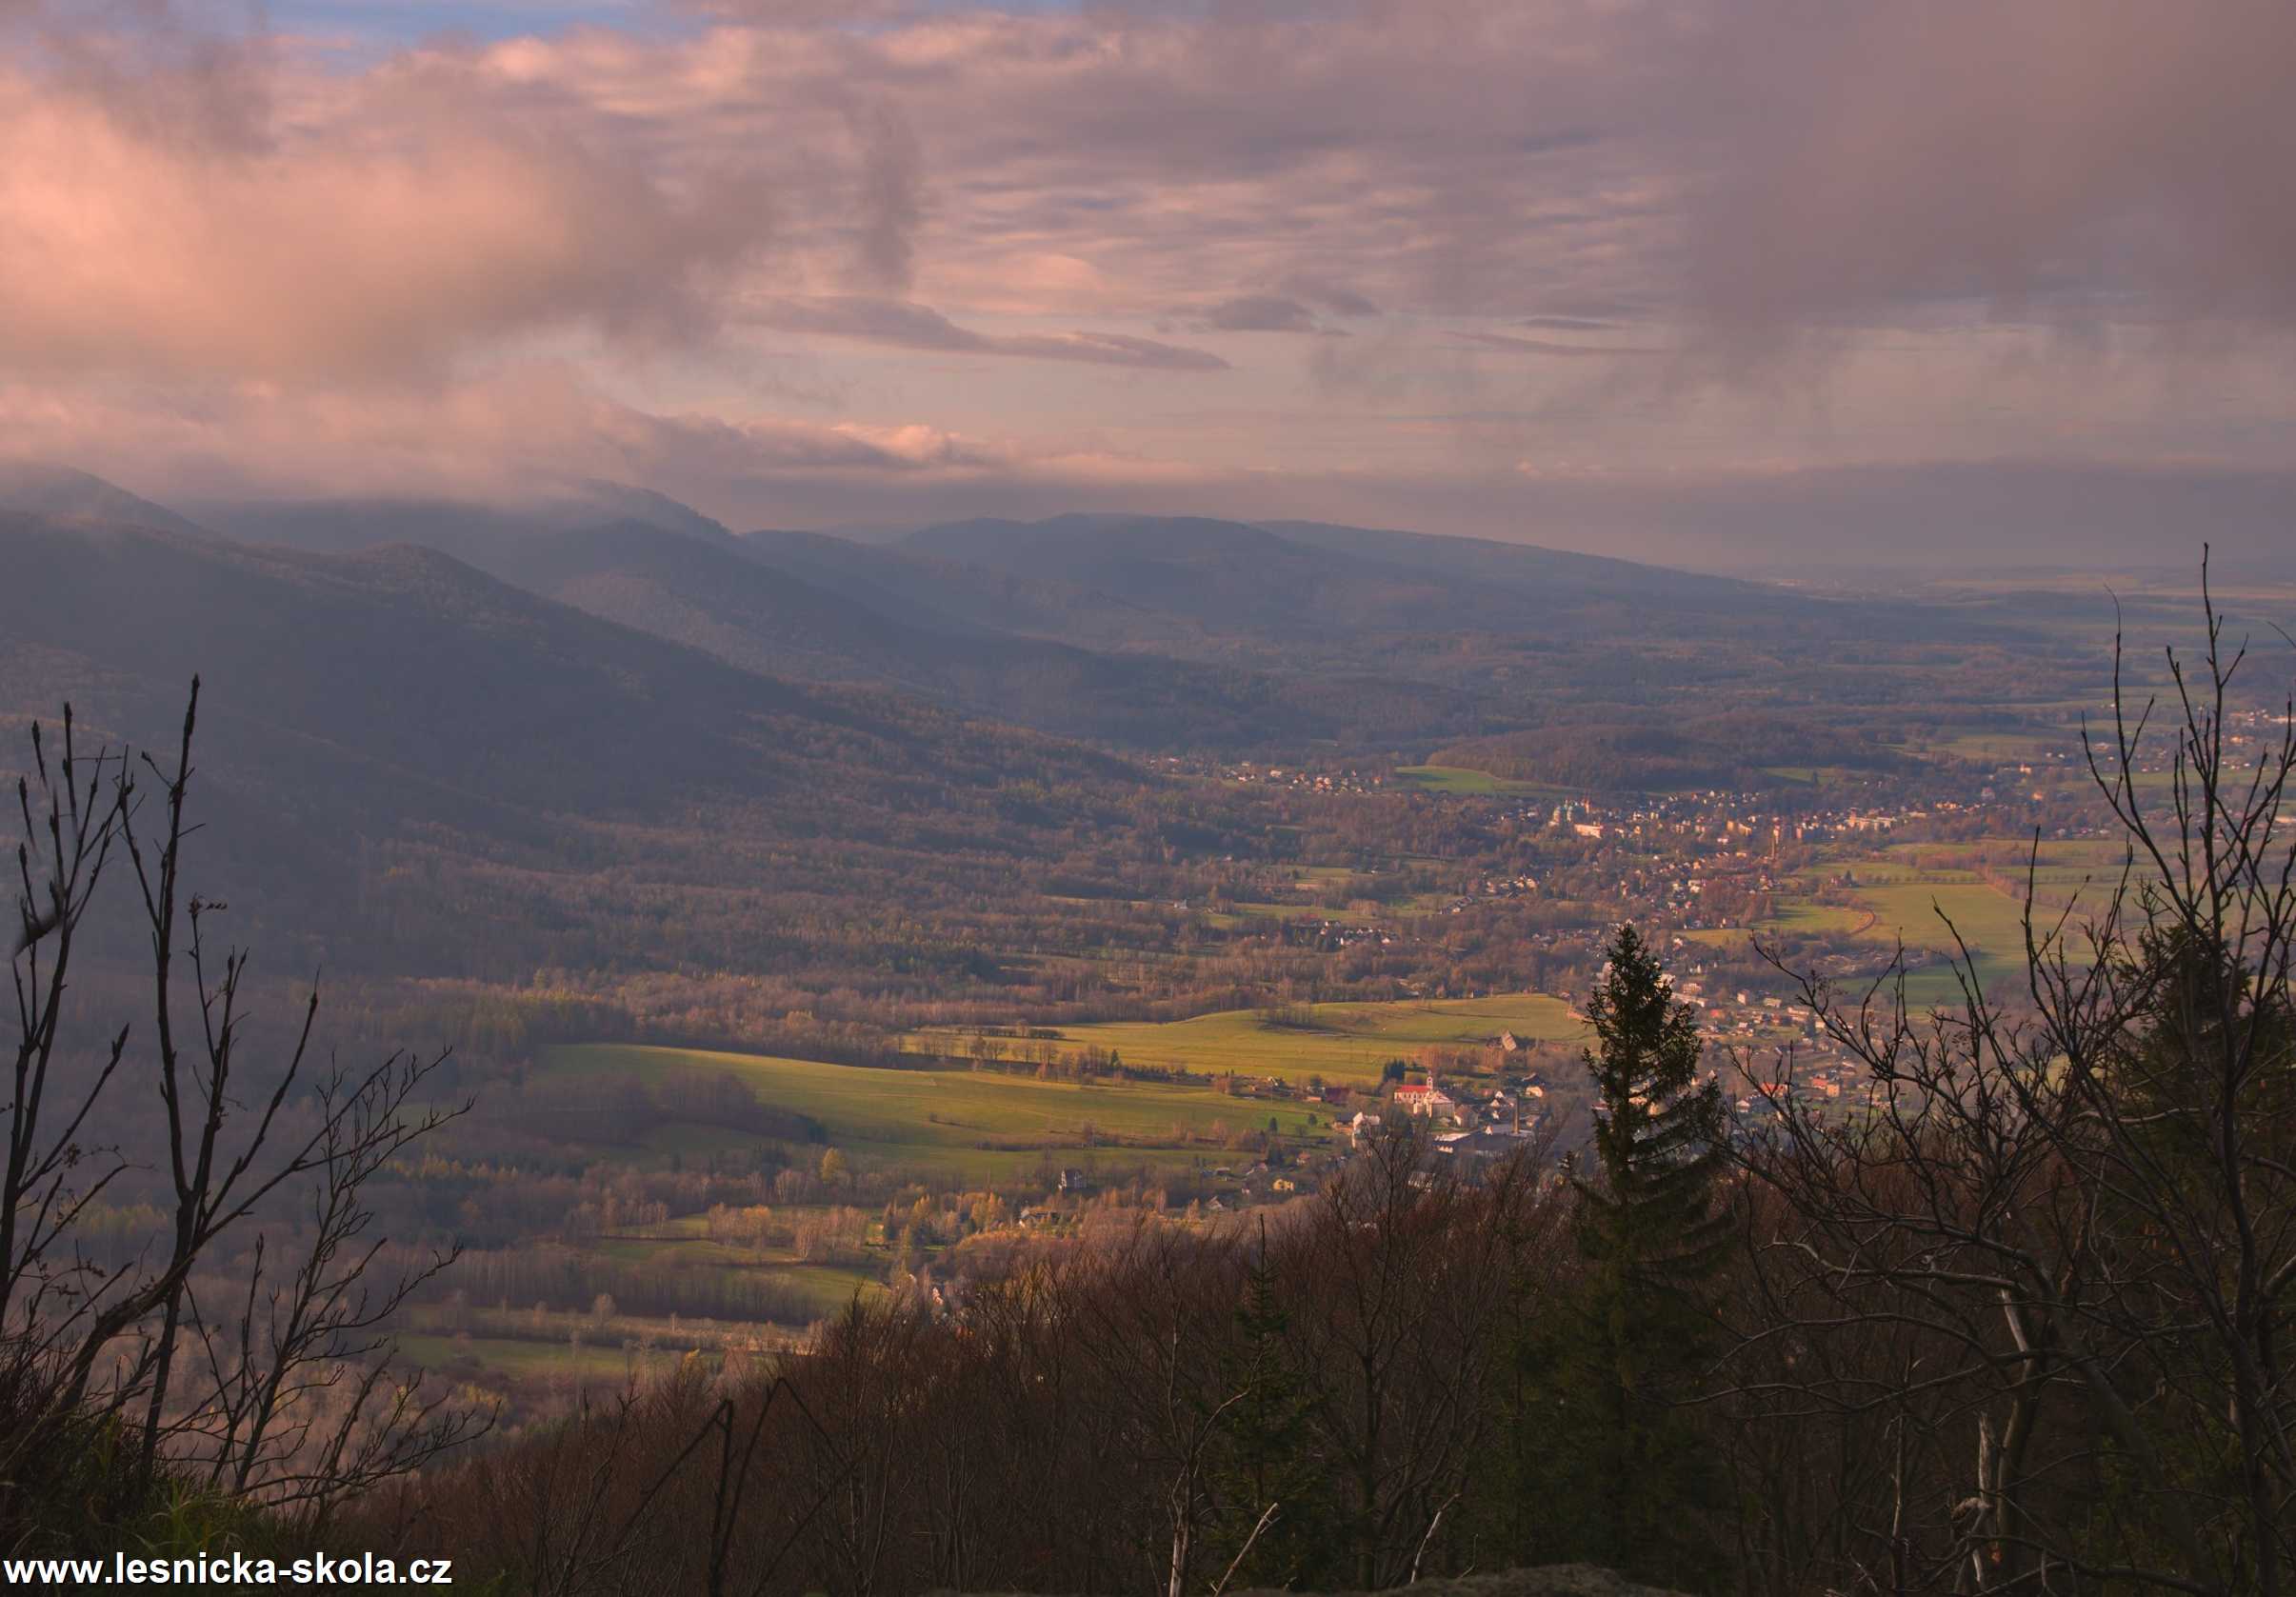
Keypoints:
pixel 824 1289
pixel 1813 920
pixel 1988 922
pixel 1900 890
pixel 1343 914
pixel 1918 912
pixel 522 1359
pixel 1912 894
pixel 978 1124
pixel 1344 1042
pixel 827 1288
pixel 1458 779
pixel 2030 747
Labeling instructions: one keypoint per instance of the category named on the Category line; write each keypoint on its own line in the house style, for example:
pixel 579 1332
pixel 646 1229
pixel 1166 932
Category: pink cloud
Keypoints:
pixel 211 207
pixel 480 437
pixel 2010 226
pixel 383 225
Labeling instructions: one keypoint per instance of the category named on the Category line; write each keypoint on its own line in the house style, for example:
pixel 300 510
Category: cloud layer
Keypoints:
pixel 818 259
pixel 2084 160
pixel 906 326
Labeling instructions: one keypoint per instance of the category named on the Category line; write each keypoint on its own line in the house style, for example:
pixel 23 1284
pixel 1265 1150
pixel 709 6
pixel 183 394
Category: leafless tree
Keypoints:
pixel 1150 1319
pixel 2063 1242
pixel 288 1396
pixel 52 1176
pixel 1404 1278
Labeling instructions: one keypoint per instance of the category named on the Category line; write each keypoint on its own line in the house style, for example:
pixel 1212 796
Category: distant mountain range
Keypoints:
pixel 1152 635
pixel 60 494
pixel 526 730
pixel 1302 581
pixel 398 696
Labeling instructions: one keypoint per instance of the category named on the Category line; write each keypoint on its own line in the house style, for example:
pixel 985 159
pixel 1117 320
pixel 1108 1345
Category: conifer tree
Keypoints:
pixel 1630 1475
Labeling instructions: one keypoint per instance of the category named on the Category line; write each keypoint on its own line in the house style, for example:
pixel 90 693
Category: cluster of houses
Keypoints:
pixel 1279 776
pixel 1490 1121
pixel 1330 935
pixel 1763 1030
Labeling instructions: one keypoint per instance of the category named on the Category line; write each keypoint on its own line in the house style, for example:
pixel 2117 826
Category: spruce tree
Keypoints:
pixel 1630 1474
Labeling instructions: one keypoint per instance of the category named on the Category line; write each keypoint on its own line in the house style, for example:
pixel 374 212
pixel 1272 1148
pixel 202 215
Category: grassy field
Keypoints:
pixel 827 1288
pixel 1911 891
pixel 1344 914
pixel 1342 1043
pixel 523 1360
pixel 1458 779
pixel 823 1289
pixel 1987 921
pixel 1918 912
pixel 980 1125
pixel 1813 920
pixel 2024 747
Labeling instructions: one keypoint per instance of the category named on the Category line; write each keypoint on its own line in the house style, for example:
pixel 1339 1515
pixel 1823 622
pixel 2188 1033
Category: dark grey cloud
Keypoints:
pixel 893 194
pixel 1292 306
pixel 1110 349
pixel 1327 294
pixel 169 72
pixel 1514 344
pixel 1259 314
pixel 1454 156
pixel 909 326
pixel 2064 160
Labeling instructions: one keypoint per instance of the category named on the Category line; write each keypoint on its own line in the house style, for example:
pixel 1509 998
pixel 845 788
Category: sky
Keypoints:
pixel 1726 283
